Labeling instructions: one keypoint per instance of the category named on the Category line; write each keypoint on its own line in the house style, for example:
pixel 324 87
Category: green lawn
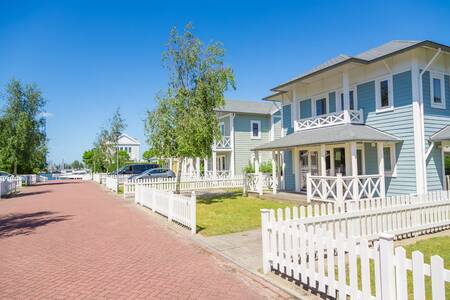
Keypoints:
pixel 433 246
pixel 231 212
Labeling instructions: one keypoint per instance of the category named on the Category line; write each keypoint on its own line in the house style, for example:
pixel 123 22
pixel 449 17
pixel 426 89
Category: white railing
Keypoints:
pixel 177 208
pixel 9 185
pixel 298 242
pixel 219 174
pixel 111 183
pixel 29 179
pixel 99 177
pixel 224 143
pixel 258 183
pixel 336 118
pixel 343 188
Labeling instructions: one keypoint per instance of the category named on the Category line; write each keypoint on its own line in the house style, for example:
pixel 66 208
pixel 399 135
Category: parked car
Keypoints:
pixel 156 173
pixel 2 173
pixel 135 169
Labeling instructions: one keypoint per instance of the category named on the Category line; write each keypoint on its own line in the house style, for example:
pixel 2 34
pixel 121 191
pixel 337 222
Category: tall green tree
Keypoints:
pixel 184 123
pixel 23 140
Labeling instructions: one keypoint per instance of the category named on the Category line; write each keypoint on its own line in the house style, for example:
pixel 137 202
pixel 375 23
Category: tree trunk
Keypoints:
pixel 177 186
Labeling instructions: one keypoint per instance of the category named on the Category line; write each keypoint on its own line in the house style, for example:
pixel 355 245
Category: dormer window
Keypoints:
pixel 384 95
pixel 437 91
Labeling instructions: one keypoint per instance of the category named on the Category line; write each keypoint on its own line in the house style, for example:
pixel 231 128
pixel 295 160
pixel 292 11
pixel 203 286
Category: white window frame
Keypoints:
pixel 390 107
pixel 313 104
pixel 441 77
pixel 222 124
pixel 393 172
pixel 338 99
pixel 251 130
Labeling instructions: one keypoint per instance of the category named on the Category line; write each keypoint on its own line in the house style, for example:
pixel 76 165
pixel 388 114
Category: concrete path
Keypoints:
pixel 74 240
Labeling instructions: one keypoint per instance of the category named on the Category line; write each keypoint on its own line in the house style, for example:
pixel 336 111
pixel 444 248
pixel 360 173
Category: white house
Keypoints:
pixel 131 145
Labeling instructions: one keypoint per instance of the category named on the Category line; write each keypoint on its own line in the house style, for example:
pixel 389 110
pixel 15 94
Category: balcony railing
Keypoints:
pixel 224 143
pixel 336 118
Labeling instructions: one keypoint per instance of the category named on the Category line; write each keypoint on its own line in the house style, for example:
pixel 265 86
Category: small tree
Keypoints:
pixel 184 123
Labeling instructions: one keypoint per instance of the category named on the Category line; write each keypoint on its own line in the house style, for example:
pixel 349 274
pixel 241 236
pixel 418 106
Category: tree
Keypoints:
pixel 23 140
pixel 123 158
pixel 76 165
pixel 149 155
pixel 184 123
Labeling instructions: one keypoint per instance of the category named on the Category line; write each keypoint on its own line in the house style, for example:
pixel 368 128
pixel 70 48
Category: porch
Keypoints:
pixel 332 164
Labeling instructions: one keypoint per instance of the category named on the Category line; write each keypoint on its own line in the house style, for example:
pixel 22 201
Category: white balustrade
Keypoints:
pixel 336 118
pixel 9 185
pixel 342 188
pixel 224 143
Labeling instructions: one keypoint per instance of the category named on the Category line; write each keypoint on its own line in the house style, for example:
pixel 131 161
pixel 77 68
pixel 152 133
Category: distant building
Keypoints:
pixel 131 145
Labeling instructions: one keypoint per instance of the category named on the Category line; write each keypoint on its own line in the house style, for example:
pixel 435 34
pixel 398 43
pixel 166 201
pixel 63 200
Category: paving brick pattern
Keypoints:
pixel 74 240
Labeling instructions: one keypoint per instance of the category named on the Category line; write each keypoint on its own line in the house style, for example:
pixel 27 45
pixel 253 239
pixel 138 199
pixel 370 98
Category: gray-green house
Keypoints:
pixel 244 125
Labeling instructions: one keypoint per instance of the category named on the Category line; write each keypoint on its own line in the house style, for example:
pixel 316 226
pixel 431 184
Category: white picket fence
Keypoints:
pixel 99 177
pixel 111 183
pixel 9 185
pixel 175 207
pixel 291 236
pixel 192 184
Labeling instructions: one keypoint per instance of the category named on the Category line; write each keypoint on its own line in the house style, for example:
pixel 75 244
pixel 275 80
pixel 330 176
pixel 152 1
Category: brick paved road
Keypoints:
pixel 74 240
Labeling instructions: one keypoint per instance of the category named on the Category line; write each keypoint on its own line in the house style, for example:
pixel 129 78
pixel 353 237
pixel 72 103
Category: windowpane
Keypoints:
pixel 222 129
pixel 387 159
pixel 437 90
pixel 321 106
pixel 384 93
pixel 255 129
pixel 342 101
pixel 352 100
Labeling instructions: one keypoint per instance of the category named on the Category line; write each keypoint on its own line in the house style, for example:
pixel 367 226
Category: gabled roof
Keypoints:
pixel 131 139
pixel 370 56
pixel 441 135
pixel 330 135
pixel 250 107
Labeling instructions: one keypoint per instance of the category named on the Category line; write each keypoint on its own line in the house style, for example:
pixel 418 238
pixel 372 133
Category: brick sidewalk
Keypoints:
pixel 73 240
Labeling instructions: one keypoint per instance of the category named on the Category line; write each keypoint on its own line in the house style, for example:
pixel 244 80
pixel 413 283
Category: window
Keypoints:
pixel 352 100
pixel 255 127
pixel 321 106
pixel 383 90
pixel 389 160
pixel 222 128
pixel 437 91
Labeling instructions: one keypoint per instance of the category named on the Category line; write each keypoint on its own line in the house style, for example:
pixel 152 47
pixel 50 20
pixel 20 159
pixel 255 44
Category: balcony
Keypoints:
pixel 336 118
pixel 223 144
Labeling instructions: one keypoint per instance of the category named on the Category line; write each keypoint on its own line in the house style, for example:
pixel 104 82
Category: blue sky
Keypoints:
pixel 89 57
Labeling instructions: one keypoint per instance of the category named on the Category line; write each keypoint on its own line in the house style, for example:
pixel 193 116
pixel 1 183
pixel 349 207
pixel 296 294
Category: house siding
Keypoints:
pixel 288 175
pixel 287 119
pixel 434 120
pixel 243 143
pixel 397 122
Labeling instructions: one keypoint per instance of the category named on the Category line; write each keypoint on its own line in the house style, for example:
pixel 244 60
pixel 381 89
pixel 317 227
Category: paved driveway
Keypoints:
pixel 74 240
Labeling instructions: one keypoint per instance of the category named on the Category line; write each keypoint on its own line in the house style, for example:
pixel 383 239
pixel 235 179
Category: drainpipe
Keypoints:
pixel 421 116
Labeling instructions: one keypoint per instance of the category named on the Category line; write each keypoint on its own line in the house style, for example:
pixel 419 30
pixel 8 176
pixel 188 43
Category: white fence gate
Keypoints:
pixel 296 243
pixel 178 208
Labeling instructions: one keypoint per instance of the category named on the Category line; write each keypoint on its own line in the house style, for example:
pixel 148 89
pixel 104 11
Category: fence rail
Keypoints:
pixel 178 208
pixel 335 118
pixel 258 182
pixel 191 184
pixel 9 185
pixel 298 243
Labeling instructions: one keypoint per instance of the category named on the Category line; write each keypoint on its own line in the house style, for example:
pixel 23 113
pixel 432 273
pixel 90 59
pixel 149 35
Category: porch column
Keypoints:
pixel 354 166
pixel 380 156
pixel 323 164
pixel 259 185
pixel 296 165
pixel 232 145
pixel 274 173
pixel 345 90
pixel 280 164
pixel 205 166
pixel 197 166
pixel 171 163
pixel 332 166
pixel 214 164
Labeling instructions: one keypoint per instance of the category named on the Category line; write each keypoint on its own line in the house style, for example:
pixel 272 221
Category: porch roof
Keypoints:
pixel 330 135
pixel 441 135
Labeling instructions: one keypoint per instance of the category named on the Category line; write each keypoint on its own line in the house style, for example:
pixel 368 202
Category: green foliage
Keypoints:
pixel 124 158
pixel 76 165
pixel 149 155
pixel 264 167
pixel 102 157
pixel 184 123
pixel 23 140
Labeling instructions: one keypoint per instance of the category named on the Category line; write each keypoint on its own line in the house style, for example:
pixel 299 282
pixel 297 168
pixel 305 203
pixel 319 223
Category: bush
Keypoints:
pixel 264 167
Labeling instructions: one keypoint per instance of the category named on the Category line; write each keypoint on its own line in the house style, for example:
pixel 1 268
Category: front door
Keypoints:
pixel 339 161
pixel 309 163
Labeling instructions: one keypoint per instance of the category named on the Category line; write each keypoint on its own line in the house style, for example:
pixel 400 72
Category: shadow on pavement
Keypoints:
pixel 24 194
pixel 24 224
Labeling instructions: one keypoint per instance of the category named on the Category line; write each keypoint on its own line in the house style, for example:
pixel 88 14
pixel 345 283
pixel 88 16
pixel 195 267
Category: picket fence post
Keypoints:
pixel 265 239
pixel 308 187
pixel 193 213
pixel 387 278
pixel 339 189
